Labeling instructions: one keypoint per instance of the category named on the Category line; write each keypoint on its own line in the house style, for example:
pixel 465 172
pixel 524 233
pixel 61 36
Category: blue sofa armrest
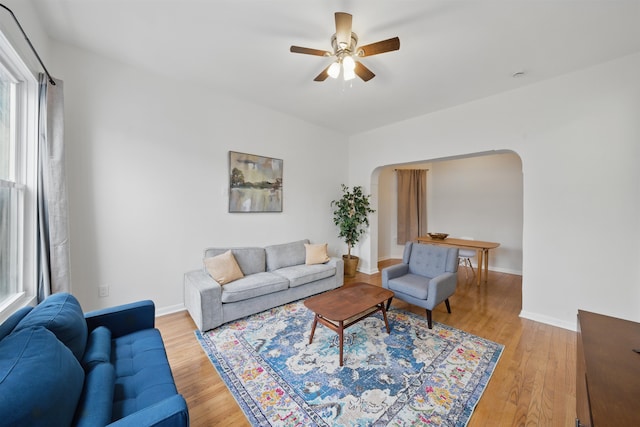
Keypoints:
pixel 123 319
pixel 170 412
pixel 392 272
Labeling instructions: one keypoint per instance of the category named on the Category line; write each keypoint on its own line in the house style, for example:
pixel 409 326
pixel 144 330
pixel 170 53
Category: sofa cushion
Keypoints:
pixel 96 402
pixel 40 379
pixel 250 259
pixel 143 375
pixel 13 320
pixel 98 348
pixel 316 254
pixel 61 314
pixel 285 255
pixel 302 274
pixel 253 286
pixel 223 268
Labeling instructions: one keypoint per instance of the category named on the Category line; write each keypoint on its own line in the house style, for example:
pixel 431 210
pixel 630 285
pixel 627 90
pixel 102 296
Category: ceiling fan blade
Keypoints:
pixel 343 29
pixel 363 72
pixel 309 51
pixel 323 75
pixel 379 47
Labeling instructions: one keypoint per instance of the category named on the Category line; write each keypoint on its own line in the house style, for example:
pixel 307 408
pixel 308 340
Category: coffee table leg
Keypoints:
pixel 313 328
pixel 341 339
pixel 384 314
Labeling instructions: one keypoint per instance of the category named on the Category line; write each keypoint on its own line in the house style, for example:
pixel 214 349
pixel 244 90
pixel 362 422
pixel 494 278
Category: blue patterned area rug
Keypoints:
pixel 412 376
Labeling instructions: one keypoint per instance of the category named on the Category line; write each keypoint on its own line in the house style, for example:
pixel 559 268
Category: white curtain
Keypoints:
pixel 53 224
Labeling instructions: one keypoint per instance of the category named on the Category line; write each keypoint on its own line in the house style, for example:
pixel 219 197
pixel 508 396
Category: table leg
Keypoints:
pixel 479 278
pixel 313 328
pixel 384 314
pixel 341 339
pixel 389 302
pixel 486 264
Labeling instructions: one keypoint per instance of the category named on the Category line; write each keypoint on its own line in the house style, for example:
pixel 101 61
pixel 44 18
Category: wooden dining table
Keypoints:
pixel 481 248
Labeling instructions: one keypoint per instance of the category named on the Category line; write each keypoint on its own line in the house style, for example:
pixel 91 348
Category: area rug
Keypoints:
pixel 412 376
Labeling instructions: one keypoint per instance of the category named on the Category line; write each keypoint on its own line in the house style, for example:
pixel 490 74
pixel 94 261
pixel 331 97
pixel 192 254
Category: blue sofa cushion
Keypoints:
pixel 143 376
pixel 40 379
pixel 61 314
pixel 98 348
pixel 96 403
pixel 13 320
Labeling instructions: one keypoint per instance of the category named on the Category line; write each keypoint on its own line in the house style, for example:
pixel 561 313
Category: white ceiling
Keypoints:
pixel 451 51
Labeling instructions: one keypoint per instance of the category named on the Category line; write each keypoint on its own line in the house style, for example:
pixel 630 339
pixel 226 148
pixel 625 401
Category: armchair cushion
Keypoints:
pixel 61 314
pixel 411 284
pixel 8 325
pixel 432 260
pixel 40 379
pixel 143 376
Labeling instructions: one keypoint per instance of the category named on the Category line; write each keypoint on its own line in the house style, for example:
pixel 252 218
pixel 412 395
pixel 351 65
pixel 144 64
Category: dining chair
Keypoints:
pixel 464 258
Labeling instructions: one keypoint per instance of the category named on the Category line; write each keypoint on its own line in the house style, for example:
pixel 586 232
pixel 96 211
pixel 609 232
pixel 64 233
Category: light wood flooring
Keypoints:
pixel 533 384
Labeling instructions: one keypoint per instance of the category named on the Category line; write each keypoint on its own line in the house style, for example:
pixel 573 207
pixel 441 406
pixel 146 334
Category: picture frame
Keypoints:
pixel 255 183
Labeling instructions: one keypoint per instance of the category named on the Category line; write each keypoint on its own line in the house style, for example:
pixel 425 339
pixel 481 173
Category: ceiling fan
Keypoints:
pixel 347 52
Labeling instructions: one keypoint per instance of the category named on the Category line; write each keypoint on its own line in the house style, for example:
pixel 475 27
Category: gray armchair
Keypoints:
pixel 426 277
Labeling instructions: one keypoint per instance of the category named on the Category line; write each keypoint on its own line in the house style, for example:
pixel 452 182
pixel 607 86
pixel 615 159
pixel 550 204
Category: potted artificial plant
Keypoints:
pixel 351 216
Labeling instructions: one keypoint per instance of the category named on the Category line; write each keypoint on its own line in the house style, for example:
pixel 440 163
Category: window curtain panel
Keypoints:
pixel 412 204
pixel 53 224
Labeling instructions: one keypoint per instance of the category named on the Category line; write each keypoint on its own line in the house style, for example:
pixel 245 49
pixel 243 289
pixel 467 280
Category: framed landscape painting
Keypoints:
pixel 255 183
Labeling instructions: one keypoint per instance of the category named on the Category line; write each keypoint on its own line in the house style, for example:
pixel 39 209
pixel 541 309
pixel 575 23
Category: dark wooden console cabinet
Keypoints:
pixel 608 371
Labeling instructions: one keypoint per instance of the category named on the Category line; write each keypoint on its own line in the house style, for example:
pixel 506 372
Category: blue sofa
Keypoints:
pixel 61 367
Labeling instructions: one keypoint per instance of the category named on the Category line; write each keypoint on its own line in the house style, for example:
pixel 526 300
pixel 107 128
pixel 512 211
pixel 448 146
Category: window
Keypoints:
pixel 18 159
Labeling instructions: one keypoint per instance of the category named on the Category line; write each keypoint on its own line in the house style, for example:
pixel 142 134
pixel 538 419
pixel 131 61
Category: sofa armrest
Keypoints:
pixel 338 263
pixel 170 412
pixel 203 299
pixel 123 319
pixel 443 286
pixel 392 272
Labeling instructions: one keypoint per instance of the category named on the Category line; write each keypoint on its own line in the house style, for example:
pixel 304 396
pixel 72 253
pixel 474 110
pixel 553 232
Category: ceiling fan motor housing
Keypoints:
pixel 340 51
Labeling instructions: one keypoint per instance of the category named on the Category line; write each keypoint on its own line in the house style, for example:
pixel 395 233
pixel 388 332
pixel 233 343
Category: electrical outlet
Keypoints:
pixel 103 291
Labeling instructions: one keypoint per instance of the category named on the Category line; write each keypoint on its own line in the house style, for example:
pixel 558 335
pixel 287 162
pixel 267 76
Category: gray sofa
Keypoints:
pixel 273 275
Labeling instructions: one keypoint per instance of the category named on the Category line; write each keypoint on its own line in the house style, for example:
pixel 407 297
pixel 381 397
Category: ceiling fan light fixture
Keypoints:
pixel 348 73
pixel 348 63
pixel 334 70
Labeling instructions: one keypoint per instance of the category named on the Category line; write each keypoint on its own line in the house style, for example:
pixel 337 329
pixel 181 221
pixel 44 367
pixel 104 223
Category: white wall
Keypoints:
pixel 579 140
pixel 478 196
pixel 147 166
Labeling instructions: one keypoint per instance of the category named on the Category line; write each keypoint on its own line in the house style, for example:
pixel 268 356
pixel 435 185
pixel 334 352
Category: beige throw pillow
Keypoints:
pixel 223 268
pixel 316 254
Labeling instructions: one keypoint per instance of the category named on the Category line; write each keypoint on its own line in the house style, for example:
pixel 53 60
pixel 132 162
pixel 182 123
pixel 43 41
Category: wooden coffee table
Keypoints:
pixel 340 308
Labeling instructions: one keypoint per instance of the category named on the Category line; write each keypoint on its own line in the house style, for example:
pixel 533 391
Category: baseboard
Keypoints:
pixel 506 270
pixel 170 310
pixel 572 326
